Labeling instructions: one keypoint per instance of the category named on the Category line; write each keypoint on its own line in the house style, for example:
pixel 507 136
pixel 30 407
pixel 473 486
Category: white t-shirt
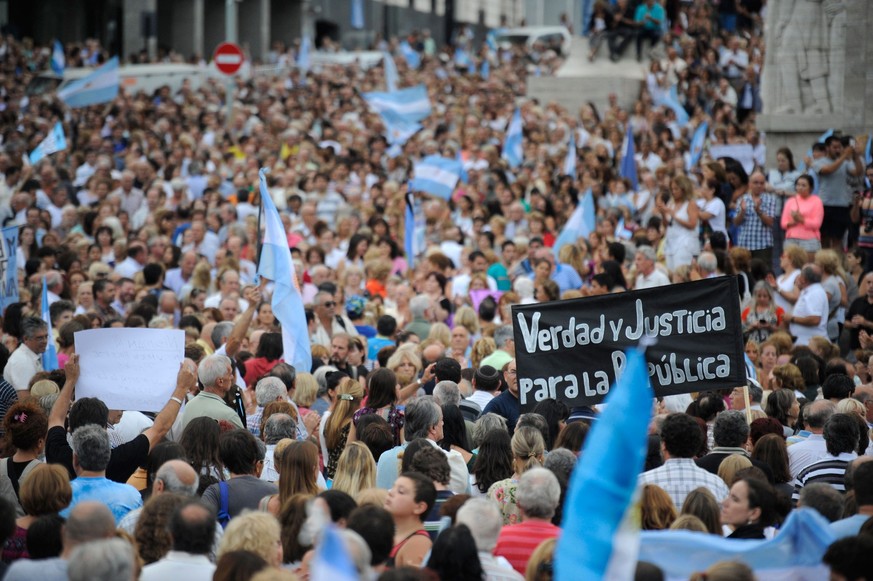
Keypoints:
pixel 812 301
pixel 715 207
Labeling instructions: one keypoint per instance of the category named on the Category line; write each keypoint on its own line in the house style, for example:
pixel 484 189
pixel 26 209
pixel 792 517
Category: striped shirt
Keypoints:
pixel 679 476
pixel 830 470
pixel 516 543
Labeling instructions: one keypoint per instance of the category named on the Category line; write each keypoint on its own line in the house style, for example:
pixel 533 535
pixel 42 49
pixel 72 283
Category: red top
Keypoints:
pixel 256 368
pixel 516 543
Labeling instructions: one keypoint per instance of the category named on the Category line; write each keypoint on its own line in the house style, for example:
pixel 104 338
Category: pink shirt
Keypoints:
pixel 812 211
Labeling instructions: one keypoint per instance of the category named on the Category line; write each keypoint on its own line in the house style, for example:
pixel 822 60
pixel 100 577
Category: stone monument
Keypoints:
pixel 816 75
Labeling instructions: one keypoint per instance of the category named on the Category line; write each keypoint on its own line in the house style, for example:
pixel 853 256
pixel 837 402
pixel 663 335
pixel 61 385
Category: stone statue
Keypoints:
pixel 801 49
pixel 836 15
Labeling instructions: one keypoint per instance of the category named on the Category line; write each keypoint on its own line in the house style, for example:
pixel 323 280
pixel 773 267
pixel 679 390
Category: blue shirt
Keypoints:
pixel 507 406
pixel 566 277
pixel 656 12
pixel 375 344
pixel 120 498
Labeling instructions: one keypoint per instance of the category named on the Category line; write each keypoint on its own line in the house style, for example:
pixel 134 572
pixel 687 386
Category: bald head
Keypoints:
pixel 88 521
pixel 176 476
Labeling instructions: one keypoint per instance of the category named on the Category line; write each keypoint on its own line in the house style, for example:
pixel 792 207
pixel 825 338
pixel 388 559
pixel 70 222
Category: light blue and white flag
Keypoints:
pixel 332 561
pixel 391 76
pixel 55 141
pixel 50 355
pixel 101 86
pixel 287 302
pixel 304 60
pixel 570 160
pixel 357 14
pixel 59 61
pixel 794 554
pixel 597 542
pixel 8 268
pixel 628 167
pixel 581 223
pixel 698 140
pixel 513 152
pixel 413 59
pixel 409 105
pixel 670 98
pixel 436 175
pixel 485 69
pixel 622 232
pixel 462 59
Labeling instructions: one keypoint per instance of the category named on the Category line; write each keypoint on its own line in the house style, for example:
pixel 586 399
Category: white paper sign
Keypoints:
pixel 129 369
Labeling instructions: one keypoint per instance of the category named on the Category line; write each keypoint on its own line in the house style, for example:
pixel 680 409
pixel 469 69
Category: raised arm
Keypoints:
pixel 62 404
pixel 185 380
pixel 253 295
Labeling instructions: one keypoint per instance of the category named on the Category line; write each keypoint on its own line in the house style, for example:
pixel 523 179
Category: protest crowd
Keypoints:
pixel 407 431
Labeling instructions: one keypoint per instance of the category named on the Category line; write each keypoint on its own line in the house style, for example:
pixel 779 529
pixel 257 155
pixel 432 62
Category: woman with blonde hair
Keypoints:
pixel 350 394
pixel 726 571
pixel 466 317
pixel 681 216
pixel 306 389
pixel 355 470
pixel 788 377
pixel 729 467
pixel 657 511
pixel 833 280
pixel 405 363
pixel 440 332
pixel 540 566
pixel 482 348
pixel 528 451
pixel 256 532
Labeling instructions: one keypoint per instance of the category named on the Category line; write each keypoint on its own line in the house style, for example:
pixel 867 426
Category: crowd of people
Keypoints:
pixel 407 432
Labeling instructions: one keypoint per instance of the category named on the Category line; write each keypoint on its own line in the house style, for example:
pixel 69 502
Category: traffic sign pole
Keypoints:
pixel 228 58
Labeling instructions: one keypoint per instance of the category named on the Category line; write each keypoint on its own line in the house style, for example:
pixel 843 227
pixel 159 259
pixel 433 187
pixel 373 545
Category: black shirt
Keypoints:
pixel 860 306
pixel 123 462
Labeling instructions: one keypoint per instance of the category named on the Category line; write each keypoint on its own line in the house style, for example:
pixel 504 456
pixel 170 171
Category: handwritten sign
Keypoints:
pixel 129 369
pixel 573 350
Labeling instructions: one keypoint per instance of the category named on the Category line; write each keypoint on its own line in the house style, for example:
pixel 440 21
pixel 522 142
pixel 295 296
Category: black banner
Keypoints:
pixel 572 350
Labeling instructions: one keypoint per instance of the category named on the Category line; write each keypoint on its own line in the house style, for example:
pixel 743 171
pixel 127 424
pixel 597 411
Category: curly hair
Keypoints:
pixel 152 532
pixel 257 532
pixel 25 423
pixel 200 441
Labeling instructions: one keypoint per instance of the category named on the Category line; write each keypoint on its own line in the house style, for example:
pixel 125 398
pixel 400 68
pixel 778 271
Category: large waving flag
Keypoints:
pixel 580 225
pixel 670 98
pixel 698 140
pixel 332 561
pixel 513 152
pixel 50 356
pixel 436 175
pixel 58 61
pixel 413 59
pixel 55 141
pixel 408 105
pixel 570 160
pixel 287 302
pixel 595 544
pixel 101 86
pixel 794 554
pixel 391 75
pixel 628 167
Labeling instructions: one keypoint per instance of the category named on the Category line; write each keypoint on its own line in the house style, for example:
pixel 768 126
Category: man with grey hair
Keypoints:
pixel 103 560
pixel 484 520
pixel 730 432
pixel 537 496
pixel 90 458
pixel 707 265
pixel 174 476
pixel 424 419
pixel 267 390
pixel 809 318
pixel 446 393
pixel 824 499
pixel 216 376
pixel 505 352
pixel 88 521
pixel 421 309
pixel 26 360
pixel 278 427
pixel 813 448
pixel 648 275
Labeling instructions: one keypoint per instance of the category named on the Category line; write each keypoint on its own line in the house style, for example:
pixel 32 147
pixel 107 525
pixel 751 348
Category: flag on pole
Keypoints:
pixel 436 175
pixel 409 241
pixel 58 61
pixel 8 267
pixel 570 160
pixel 595 543
pixel 304 61
pixel 795 553
pixel 391 75
pixel 287 302
pixel 408 105
pixel 670 98
pixel 50 356
pixel 55 141
pixel 580 224
pixel 357 14
pixel 101 86
pixel 332 561
pixel 698 140
pixel 628 167
pixel 413 59
pixel 513 152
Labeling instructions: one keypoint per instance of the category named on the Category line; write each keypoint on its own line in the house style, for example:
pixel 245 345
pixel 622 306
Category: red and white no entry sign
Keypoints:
pixel 228 58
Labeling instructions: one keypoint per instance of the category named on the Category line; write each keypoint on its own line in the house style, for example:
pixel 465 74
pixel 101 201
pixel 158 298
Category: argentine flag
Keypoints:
pixel 408 105
pixel 390 72
pixel 413 59
pixel 436 175
pixel 628 167
pixel 698 140
pixel 287 302
pixel 101 86
pixel 332 561
pixel 50 356
pixel 580 224
pixel 58 61
pixel 513 152
pixel 670 98
pixel 55 141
